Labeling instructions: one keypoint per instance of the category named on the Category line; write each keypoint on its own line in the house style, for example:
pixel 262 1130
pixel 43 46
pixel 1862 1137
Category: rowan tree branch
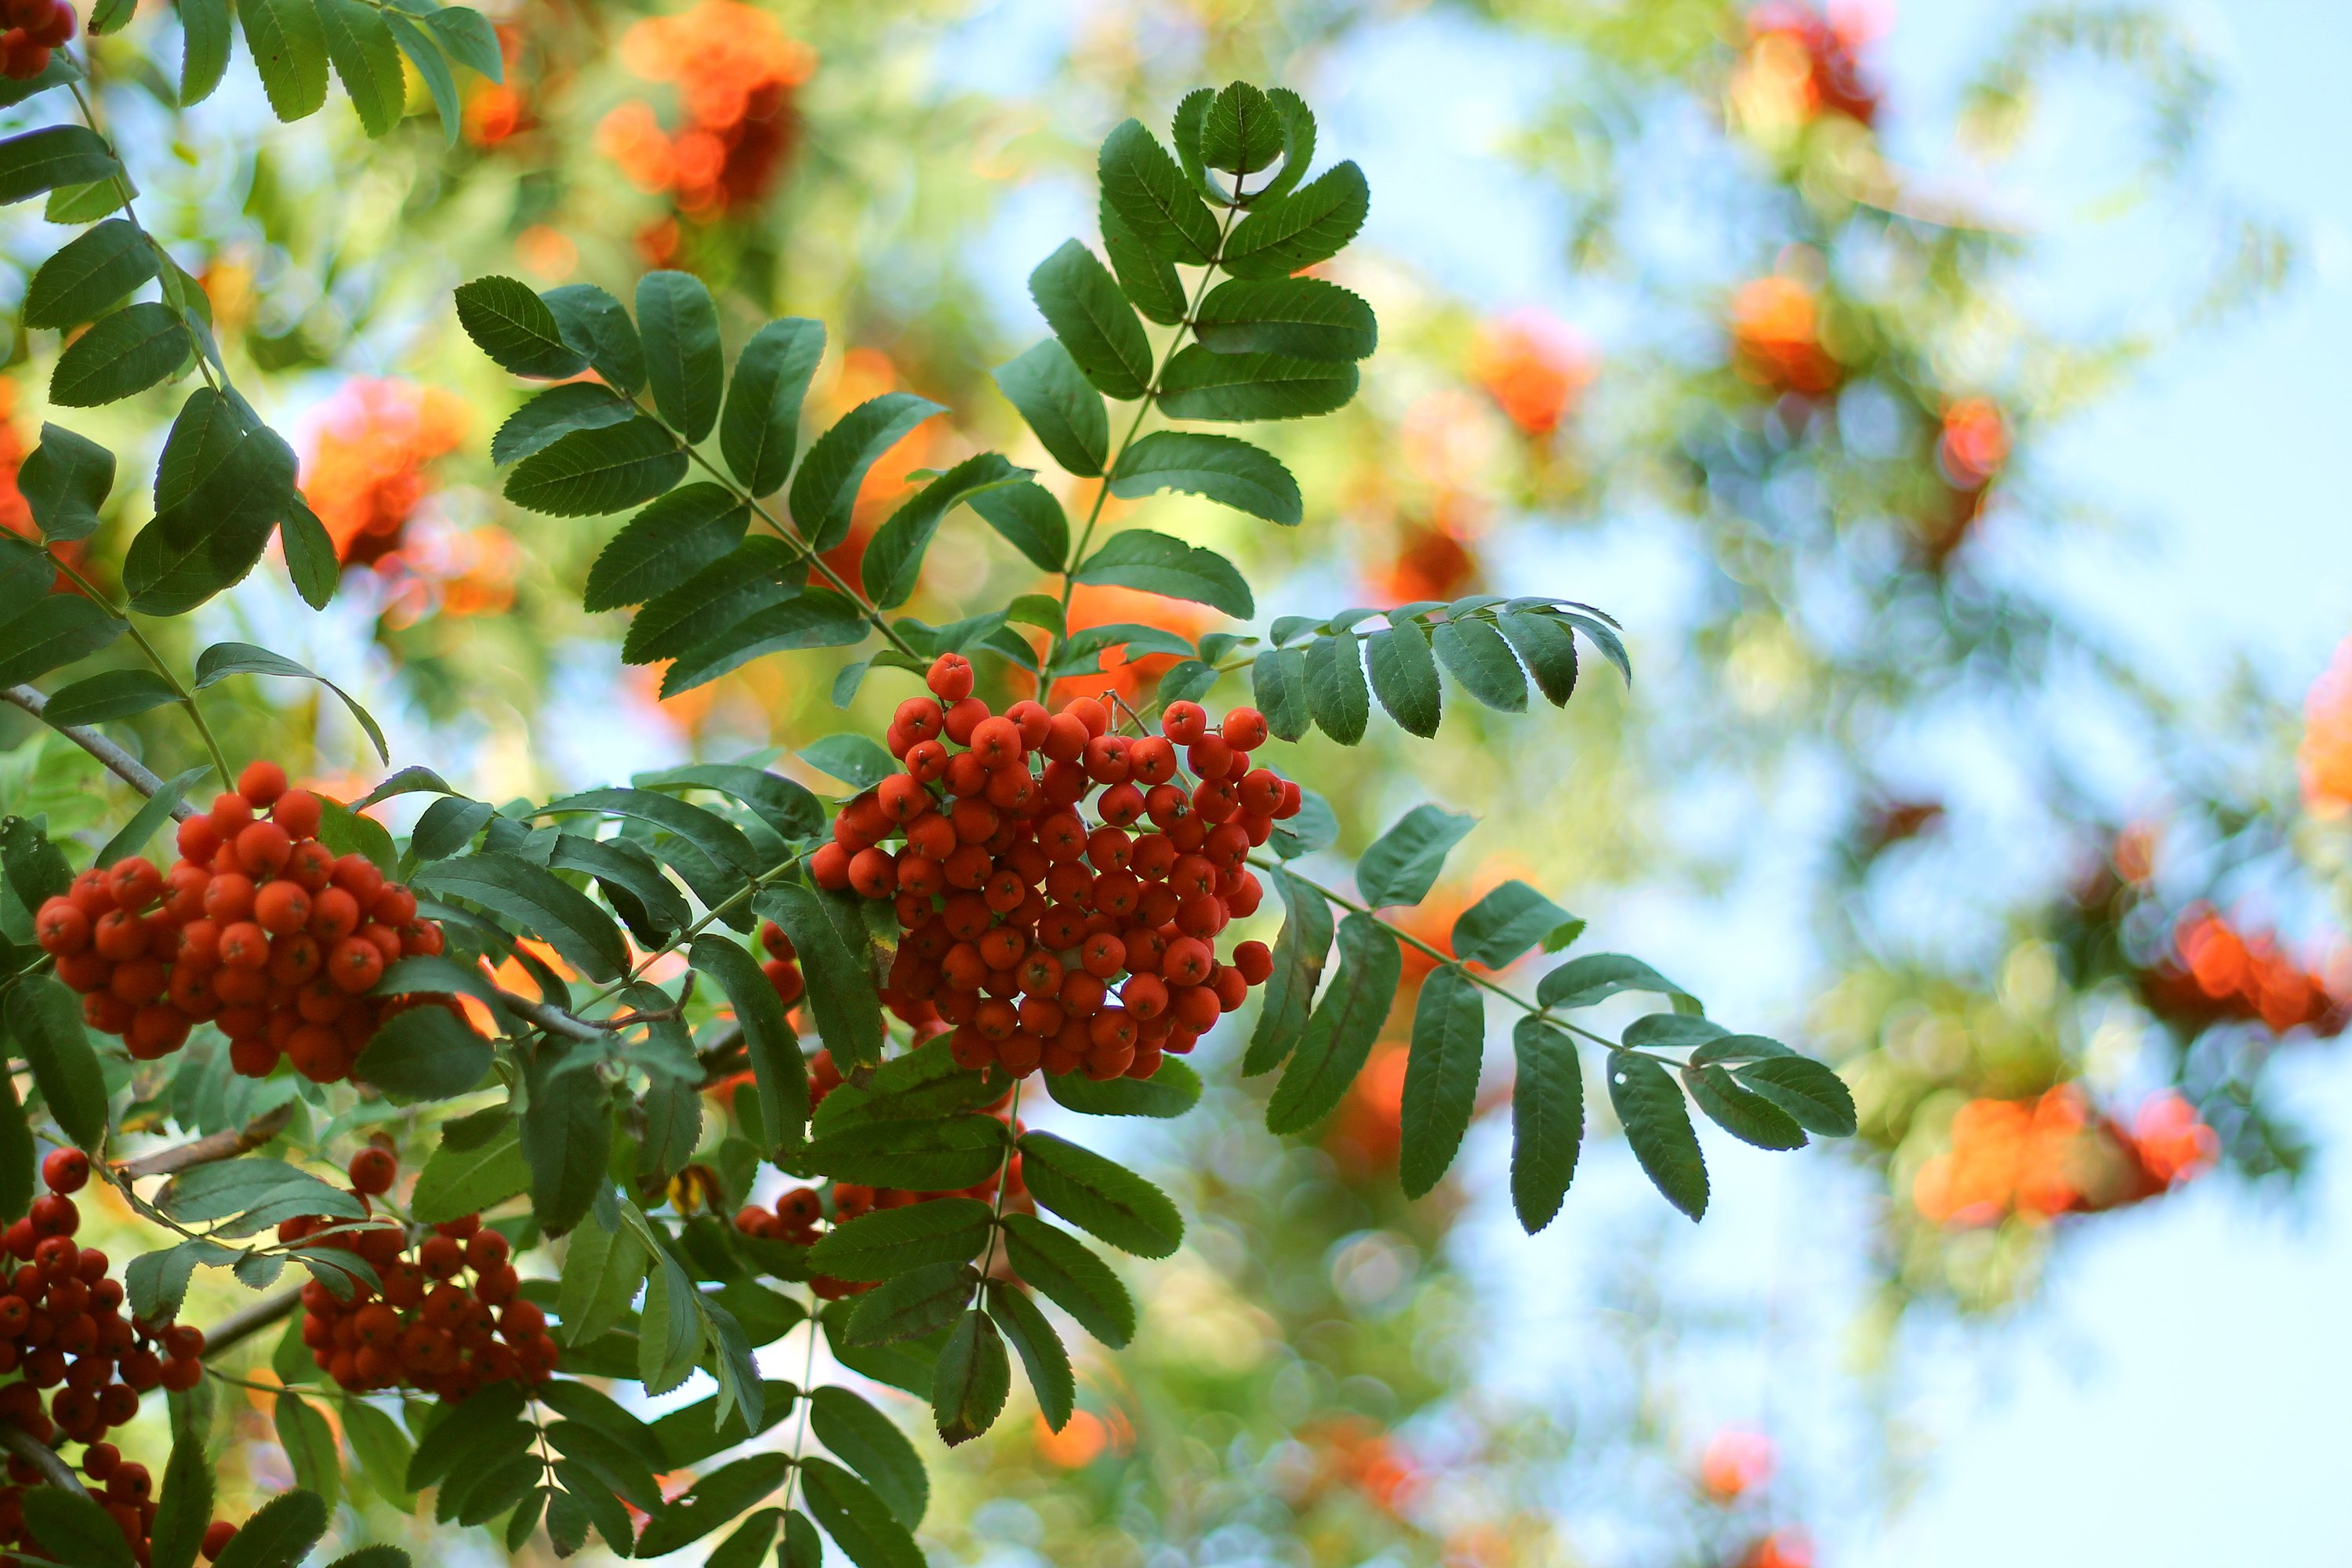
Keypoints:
pixel 203 1151
pixel 244 1324
pixel 118 762
pixel 41 1456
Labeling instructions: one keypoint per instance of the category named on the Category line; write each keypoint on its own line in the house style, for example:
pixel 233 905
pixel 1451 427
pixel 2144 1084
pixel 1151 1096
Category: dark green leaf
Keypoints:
pixel 1597 976
pixel 1042 1353
pixel 94 272
pixel 1224 468
pixel 1503 925
pixel 802 1546
pixel 1200 383
pixel 666 545
pixel 16 1155
pixel 593 322
pixel 1149 280
pixel 463 1180
pixel 1303 317
pixel 908 1306
pixel 555 414
pixel 614 1463
pixel 1549 651
pixel 886 1242
pixel 817 618
pixel 1657 1124
pixel 310 550
pixel 1170 1091
pixel 1184 132
pixel 285 1528
pixel 748 1547
pixel 364 56
pixel 718 1498
pixel 971 1380
pixel 382 1448
pixel 72 1528
pixel 1404 677
pixel 1311 223
pixel 869 1442
pixel 1441 1078
pixel 1068 1272
pixel 468 37
pixel 1240 134
pixel 222 488
pixel 1299 954
pixel 1143 185
pixel 1046 385
pixel 776 1062
pixel 592 473
pixel 52 156
pixel 418 46
pixel 694 1433
pixel 567 1132
pixel 597 1506
pixel 840 994
pixel 1339 1035
pixel 423 1053
pixel 1813 1095
pixel 858 1521
pixel 1278 682
pixel 183 1507
pixel 220 660
pixel 516 329
pixel 1081 303
pixel 926 1156
pixel 1481 660
pixel 309 1443
pixel 1099 1195
pixel 825 492
pixel 1402 864
pixel 856 760
pixel 290 50
pixel 758 573
pixel 1547 1121
pixel 60 629
pixel 204 48
pixel 543 905
pixel 1156 563
pixel 1298 143
pixel 64 481
pixel 1030 520
pixel 892 562
pixel 44 1021
pixel 125 353
pixel 1336 693
pixel 683 361
pixel 760 431
pixel 37 869
pixel 1729 1047
pixel 1750 1117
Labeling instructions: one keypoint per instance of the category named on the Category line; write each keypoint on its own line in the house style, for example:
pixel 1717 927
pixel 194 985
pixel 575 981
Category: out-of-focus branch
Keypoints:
pixel 243 1324
pixel 41 1456
pixel 118 762
pixel 205 1149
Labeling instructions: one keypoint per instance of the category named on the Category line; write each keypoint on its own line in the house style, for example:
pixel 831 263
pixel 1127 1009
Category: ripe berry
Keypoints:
pixel 372 1169
pixel 299 812
pixel 950 678
pixel 65 1171
pixel 1184 723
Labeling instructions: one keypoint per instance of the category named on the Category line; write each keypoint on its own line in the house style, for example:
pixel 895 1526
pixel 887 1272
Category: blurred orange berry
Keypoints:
pixel 1975 443
pixel 1776 336
pixel 1738 1460
pixel 2325 756
pixel 370 461
pixel 1535 367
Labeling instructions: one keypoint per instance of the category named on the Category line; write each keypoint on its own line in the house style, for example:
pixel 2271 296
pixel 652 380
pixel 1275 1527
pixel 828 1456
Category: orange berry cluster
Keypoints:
pixel 426 1328
pixel 258 928
pixel 61 1327
pixel 798 1213
pixel 34 27
pixel 1022 917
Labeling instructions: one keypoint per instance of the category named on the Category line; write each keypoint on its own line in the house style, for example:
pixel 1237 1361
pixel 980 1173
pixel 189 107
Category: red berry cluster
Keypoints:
pixel 61 1327
pixel 798 1213
pixel 1021 916
pixel 258 928
pixel 426 1328
pixel 34 27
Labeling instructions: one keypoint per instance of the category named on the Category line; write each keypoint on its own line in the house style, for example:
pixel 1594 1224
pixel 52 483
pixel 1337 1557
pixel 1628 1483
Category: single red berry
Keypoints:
pixel 372 1170
pixel 65 1171
pixel 950 678
pixel 261 783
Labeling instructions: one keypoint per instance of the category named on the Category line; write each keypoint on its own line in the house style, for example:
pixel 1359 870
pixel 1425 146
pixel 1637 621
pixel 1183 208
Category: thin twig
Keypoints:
pixel 246 1321
pixel 117 760
pixel 547 1016
pixel 203 1151
pixel 41 1456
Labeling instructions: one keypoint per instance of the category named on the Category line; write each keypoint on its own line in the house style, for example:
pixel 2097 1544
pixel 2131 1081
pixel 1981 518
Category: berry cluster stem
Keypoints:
pixel 1150 397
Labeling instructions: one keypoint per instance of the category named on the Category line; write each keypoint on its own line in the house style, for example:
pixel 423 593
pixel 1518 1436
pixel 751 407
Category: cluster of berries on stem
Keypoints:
pixel 258 928
pixel 62 1329
pixel 1040 938
pixel 428 1327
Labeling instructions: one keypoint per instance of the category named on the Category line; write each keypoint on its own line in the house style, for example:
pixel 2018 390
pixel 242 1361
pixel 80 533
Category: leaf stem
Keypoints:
pixel 186 698
pixel 1444 959
pixel 800 1436
pixel 1150 394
